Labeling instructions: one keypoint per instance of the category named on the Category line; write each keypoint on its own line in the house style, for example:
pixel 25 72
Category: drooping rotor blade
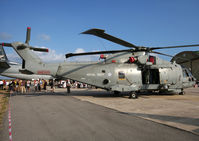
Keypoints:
pixel 97 52
pixel 170 55
pixel 161 53
pixel 101 33
pixel 195 45
pixel 186 60
pixel 28 35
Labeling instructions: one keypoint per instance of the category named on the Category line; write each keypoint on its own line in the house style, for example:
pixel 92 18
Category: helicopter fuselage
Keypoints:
pixel 118 74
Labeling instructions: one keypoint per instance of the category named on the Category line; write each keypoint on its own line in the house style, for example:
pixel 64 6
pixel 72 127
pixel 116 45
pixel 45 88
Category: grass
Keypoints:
pixel 3 103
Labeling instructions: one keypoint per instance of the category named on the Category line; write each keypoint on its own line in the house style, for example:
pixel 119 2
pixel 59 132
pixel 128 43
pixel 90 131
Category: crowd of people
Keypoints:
pixel 23 86
pixel 26 86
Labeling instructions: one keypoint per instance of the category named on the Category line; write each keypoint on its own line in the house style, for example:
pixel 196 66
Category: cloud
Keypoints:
pixel 154 54
pixel 51 56
pixel 44 37
pixel 85 58
pixel 79 50
pixel 5 36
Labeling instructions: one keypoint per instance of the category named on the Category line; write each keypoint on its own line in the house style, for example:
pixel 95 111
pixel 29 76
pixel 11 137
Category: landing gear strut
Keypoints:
pixel 133 95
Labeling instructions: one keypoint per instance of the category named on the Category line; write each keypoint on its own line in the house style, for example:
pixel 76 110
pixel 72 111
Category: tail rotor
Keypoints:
pixel 20 46
pixel 28 35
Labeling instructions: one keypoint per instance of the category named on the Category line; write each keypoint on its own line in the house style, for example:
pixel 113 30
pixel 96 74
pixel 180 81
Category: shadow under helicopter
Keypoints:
pixel 94 93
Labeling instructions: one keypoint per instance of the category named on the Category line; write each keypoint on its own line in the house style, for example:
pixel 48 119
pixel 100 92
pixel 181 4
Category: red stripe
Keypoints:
pixel 9 121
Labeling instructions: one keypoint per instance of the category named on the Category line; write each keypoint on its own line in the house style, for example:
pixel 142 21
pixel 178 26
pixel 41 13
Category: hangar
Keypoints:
pixel 190 60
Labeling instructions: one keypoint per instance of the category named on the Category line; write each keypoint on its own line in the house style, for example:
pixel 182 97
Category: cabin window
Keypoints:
pixel 121 75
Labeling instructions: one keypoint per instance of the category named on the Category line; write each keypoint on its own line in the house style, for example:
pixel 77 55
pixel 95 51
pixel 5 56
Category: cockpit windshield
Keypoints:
pixel 187 73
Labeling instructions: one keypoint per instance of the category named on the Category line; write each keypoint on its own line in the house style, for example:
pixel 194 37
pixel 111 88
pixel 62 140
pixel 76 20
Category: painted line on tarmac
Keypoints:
pixel 9 120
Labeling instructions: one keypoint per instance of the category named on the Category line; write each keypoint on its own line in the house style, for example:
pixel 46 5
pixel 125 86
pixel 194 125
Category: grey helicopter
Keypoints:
pixel 131 70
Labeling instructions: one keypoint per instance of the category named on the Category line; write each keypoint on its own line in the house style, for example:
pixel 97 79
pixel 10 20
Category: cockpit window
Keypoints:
pixel 186 72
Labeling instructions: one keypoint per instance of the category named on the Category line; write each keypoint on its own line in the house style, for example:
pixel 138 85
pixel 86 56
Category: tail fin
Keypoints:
pixel 24 50
pixel 29 58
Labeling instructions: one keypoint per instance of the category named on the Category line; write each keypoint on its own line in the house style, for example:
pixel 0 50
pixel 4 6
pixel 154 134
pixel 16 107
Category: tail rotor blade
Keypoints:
pixel 28 35
pixel 39 49
pixel 6 44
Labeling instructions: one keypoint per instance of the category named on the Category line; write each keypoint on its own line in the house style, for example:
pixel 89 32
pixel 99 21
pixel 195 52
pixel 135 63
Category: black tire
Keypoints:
pixel 182 93
pixel 133 95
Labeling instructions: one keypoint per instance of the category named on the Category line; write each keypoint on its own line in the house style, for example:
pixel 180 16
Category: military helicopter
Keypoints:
pixel 132 70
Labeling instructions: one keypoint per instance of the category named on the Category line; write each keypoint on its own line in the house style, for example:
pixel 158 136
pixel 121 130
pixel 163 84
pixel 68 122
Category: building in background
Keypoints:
pixel 190 60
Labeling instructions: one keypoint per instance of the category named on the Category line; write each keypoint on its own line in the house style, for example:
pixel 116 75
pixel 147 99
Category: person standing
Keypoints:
pixel 7 85
pixel 45 84
pixel 39 85
pixel 68 86
pixel 28 86
pixel 17 86
pixel 51 83
pixel 35 85
pixel 23 90
pixel 1 85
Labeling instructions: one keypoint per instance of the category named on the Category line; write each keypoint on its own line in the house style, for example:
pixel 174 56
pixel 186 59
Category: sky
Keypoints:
pixel 57 24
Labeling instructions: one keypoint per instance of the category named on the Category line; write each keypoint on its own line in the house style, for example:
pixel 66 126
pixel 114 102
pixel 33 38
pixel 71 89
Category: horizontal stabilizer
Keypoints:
pixel 4 64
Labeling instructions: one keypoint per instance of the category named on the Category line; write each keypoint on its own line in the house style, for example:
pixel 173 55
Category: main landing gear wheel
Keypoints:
pixel 182 92
pixel 133 95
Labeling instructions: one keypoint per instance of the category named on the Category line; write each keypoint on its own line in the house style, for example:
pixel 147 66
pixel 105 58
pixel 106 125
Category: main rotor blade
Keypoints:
pixel 161 53
pixel 170 55
pixel 97 52
pixel 100 33
pixel 195 45
pixel 28 35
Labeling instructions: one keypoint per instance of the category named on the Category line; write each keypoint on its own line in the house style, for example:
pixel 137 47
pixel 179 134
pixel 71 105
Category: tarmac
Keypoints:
pixel 59 116
pixel 94 114
pixel 179 111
